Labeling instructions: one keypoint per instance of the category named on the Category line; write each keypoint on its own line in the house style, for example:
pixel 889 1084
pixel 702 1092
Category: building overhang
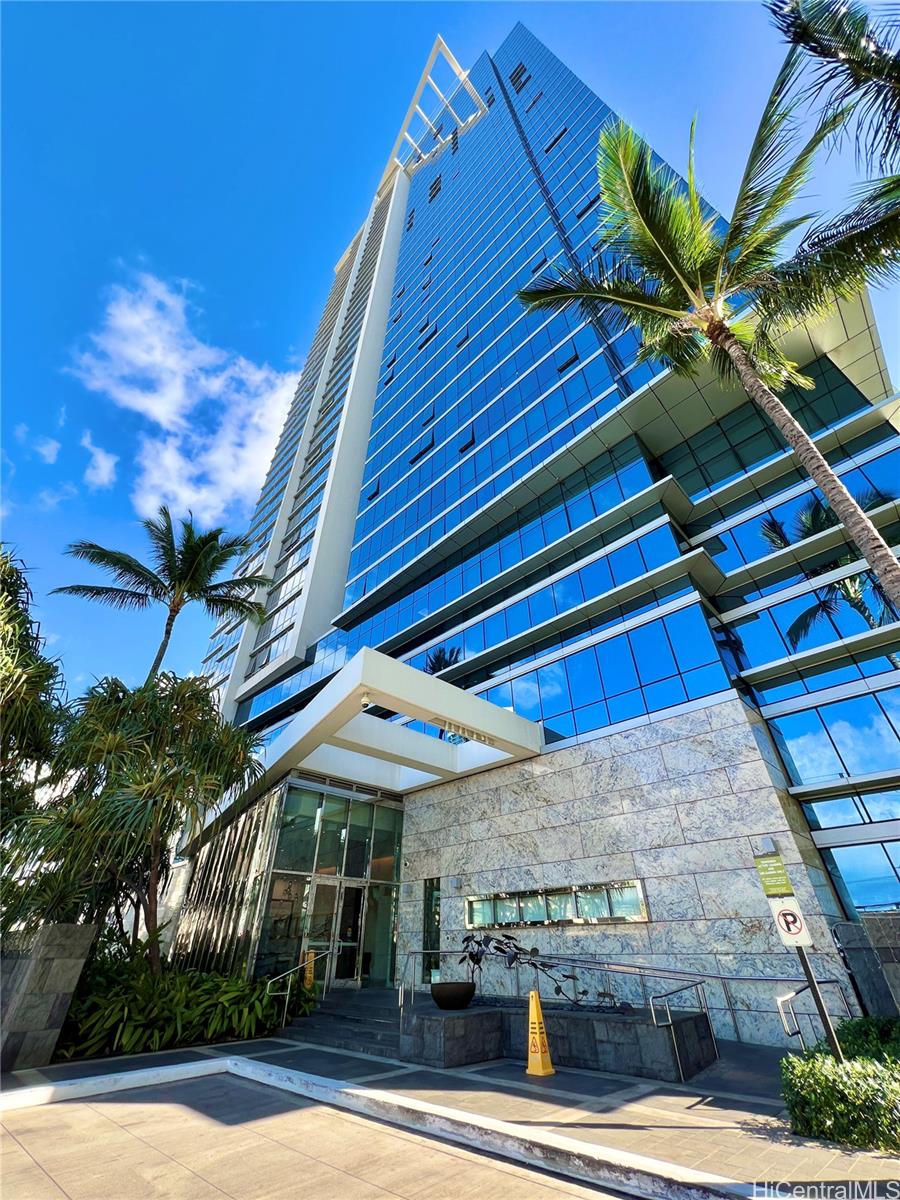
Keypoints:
pixel 337 737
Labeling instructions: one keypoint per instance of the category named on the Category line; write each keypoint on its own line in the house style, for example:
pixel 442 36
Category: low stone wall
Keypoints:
pixel 625 1043
pixel 681 803
pixel 38 982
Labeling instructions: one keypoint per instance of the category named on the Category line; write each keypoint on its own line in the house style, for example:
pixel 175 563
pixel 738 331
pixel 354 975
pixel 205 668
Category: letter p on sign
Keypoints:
pixel 790 922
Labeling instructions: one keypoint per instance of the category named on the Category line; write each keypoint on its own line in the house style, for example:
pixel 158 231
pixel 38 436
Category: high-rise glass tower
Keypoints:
pixel 553 639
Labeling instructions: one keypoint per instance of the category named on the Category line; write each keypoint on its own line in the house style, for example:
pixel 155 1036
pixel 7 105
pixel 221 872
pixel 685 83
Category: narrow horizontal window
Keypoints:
pixel 429 416
pixel 389 378
pixel 519 77
pixel 400 293
pixel 469 442
pixel 434 189
pixel 410 219
pixel 542 262
pixel 488 98
pixel 454 141
pixel 428 260
pixel 426 340
pixel 465 337
pixel 583 212
pixel 426 284
pixel 534 102
pixel 553 141
pixel 375 490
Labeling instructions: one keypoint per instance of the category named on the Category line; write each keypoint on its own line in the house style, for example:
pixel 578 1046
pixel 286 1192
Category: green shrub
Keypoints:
pixel 856 1102
pixel 121 1008
pixel 869 1037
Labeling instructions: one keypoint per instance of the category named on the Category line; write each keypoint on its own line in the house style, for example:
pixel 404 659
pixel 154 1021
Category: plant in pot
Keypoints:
pixel 458 993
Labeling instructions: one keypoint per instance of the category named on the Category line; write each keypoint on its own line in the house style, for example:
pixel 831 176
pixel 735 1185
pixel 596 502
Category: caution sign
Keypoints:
pixel 538 1051
pixel 790 922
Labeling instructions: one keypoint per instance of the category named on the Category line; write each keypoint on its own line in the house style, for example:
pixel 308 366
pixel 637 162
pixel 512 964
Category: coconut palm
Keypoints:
pixel 184 570
pixel 670 267
pixel 439 660
pixel 136 767
pixel 859 592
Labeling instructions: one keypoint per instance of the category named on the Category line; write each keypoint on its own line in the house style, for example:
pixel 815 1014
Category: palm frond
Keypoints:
pixel 233 606
pixel 775 533
pixel 801 627
pixel 116 597
pixel 765 161
pixel 852 58
pixel 615 289
pixel 877 210
pixel 161 533
pixel 124 568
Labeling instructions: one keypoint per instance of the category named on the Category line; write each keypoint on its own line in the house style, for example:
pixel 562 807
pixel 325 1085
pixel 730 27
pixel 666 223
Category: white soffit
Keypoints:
pixel 336 736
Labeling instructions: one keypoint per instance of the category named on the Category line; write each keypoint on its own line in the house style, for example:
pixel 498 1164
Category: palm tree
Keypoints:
pixel 673 269
pixel 864 595
pixel 136 766
pixel 852 61
pixel 184 571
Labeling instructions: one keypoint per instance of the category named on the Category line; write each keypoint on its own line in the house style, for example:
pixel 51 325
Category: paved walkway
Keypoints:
pixel 208 1139
pixel 728 1121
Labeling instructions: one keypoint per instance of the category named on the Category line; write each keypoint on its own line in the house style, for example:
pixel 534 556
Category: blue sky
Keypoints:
pixel 180 180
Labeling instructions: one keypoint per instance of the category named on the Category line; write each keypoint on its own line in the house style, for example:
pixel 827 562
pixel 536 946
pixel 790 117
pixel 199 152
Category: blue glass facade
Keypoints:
pixel 582 579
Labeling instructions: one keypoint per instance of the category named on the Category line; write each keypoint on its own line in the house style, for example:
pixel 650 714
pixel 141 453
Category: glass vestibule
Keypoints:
pixel 333 888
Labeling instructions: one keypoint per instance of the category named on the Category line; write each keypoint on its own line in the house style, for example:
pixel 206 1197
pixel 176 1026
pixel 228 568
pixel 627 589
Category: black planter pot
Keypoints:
pixel 453 995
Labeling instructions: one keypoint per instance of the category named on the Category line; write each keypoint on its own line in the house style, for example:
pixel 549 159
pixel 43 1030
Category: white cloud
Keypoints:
pixel 101 470
pixel 48 449
pixel 213 416
pixel 61 416
pixel 51 498
pixel 21 432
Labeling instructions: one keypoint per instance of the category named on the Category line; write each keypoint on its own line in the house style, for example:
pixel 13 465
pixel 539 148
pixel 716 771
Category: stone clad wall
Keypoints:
pixel 680 803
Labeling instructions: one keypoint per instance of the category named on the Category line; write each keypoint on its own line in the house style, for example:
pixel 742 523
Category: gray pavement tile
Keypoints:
pixel 332 1066
pixel 249 1049
pixel 81 1069
pixel 563 1081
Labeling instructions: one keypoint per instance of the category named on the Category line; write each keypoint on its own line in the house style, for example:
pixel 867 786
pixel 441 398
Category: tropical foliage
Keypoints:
pixel 703 292
pixel 136 766
pixel 121 1007
pixel 857 1101
pixel 185 570
pixel 31 694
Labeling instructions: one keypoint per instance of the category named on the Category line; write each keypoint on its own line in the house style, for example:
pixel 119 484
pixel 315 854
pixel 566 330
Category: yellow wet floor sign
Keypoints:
pixel 538 1051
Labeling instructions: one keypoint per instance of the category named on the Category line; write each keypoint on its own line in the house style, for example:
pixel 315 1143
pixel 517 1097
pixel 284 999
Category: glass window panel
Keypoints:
pixel 617 667
pixel 882 806
pixel 829 814
pixel 330 858
pixel 864 737
pixel 561 906
pixel 506 909
pixel 593 905
pixel 705 680
pixel 652 653
pixel 554 689
pixel 624 708
pixel 865 876
pixel 625 901
pixel 690 635
pixel 388 823
pixel 299 826
pixel 533 907
pixel 481 912
pixel 807 749
pixel 359 836
pixel 527 697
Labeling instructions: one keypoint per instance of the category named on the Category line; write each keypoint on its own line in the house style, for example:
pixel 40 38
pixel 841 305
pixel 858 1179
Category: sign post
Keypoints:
pixel 792 929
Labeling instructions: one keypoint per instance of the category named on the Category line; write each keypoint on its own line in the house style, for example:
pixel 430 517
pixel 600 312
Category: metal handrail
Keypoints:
pixel 786 1002
pixel 302 966
pixel 668 1023
pixel 642 973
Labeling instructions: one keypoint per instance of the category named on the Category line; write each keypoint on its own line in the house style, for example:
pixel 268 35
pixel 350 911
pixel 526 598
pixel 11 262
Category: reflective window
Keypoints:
pixel 588 903
pixel 867 877
pixel 859 736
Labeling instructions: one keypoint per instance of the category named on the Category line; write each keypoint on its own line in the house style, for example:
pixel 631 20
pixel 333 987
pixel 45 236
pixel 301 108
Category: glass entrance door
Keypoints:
pixel 348 935
pixel 320 925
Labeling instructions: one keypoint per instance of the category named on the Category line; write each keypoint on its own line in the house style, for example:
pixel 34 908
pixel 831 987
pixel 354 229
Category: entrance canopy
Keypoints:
pixel 336 736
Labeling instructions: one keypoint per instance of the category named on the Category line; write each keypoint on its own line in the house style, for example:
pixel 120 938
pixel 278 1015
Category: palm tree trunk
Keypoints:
pixel 860 529
pixel 163 645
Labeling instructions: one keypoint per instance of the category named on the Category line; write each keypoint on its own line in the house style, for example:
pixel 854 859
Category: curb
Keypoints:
pixel 582 1161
